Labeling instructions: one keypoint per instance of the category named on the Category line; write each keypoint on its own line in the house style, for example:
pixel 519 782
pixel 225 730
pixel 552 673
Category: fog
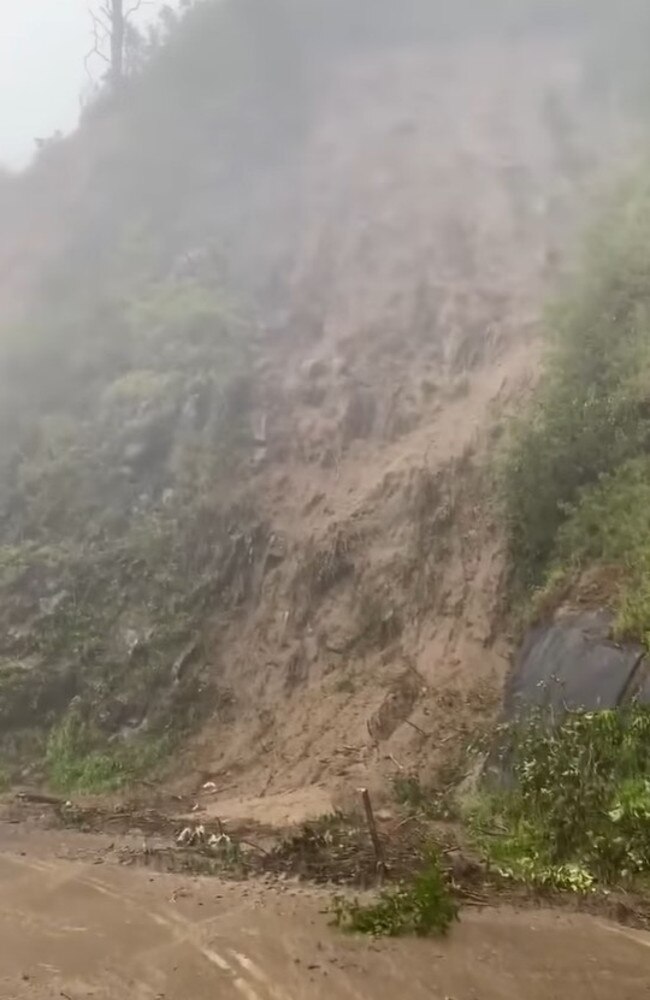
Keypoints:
pixel 43 45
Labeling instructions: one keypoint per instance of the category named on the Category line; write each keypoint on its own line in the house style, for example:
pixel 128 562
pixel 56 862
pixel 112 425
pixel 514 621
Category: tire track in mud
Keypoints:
pixel 181 930
pixel 146 941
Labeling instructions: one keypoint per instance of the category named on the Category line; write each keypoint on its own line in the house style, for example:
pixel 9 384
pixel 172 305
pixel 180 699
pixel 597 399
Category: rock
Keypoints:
pixel 314 395
pixel 359 417
pixel 134 452
pixel 395 708
pixel 258 427
pixel 183 660
pixel 572 664
pixel 132 730
pixel 131 640
pixel 314 368
pixel 49 605
pixel 569 664
pixel 276 552
pixel 259 456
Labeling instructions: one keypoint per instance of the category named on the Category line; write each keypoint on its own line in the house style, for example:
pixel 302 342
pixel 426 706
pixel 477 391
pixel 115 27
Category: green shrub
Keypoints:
pixel 610 525
pixel 580 804
pixel 576 479
pixel 422 908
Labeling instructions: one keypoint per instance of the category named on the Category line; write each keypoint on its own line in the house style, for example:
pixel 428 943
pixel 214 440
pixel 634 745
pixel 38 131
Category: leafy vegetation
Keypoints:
pixel 78 761
pixel 424 907
pixel 576 478
pixel 578 810
pixel 116 521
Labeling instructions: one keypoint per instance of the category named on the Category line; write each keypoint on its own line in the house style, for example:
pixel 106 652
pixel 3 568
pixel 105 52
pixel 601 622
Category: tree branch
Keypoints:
pixel 99 28
pixel 109 24
pixel 98 24
pixel 136 7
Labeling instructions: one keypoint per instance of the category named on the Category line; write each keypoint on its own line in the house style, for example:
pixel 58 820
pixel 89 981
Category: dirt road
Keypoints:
pixel 75 924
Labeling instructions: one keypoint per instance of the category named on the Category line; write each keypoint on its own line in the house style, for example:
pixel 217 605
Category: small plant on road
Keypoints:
pixel 424 907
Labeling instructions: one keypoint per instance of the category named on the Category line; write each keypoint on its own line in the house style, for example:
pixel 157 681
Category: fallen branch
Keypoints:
pixel 39 799
pixel 256 847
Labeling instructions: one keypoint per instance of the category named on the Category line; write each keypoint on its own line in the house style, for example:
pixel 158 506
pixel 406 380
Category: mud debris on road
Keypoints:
pixel 73 929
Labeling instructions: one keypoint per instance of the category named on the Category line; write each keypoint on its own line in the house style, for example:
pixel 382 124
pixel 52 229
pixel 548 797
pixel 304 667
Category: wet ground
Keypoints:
pixel 77 922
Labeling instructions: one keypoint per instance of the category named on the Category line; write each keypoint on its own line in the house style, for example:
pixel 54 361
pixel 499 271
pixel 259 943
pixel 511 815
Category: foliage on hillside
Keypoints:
pixel 579 806
pixel 121 534
pixel 577 476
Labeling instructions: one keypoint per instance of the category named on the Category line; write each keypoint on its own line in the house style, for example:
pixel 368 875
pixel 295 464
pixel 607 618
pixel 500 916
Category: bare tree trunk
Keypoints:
pixel 112 31
pixel 118 25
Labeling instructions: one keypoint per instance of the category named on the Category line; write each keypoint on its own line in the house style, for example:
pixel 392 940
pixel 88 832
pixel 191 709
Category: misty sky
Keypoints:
pixel 42 49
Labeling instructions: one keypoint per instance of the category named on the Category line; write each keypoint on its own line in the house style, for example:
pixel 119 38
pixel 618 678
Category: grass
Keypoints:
pixel 424 907
pixel 578 813
pixel 78 761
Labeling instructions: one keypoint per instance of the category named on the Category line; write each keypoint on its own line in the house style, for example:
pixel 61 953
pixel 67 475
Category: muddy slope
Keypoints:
pixel 440 202
pixel 342 616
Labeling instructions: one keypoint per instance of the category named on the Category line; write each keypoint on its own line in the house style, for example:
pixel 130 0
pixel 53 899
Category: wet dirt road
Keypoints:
pixel 79 928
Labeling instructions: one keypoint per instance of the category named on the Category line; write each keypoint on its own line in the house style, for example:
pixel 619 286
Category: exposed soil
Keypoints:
pixel 435 206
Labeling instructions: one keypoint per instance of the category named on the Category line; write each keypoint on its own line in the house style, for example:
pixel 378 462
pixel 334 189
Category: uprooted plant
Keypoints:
pixel 422 907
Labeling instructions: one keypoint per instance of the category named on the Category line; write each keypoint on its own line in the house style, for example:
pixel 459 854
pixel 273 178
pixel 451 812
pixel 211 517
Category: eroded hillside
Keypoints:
pixel 440 203
pixel 248 490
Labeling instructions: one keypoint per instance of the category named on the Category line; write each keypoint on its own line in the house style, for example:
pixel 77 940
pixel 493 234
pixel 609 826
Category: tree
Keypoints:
pixel 112 30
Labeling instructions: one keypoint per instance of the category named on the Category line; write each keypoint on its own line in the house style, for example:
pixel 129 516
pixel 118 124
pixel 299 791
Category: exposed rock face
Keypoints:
pixel 574 664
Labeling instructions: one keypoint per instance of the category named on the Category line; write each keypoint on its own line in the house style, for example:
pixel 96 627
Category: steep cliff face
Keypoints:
pixel 267 519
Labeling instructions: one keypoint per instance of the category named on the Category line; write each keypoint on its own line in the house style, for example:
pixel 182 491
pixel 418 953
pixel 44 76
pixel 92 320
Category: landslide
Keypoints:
pixel 263 317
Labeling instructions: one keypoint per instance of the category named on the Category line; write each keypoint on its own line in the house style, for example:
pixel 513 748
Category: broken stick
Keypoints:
pixel 374 835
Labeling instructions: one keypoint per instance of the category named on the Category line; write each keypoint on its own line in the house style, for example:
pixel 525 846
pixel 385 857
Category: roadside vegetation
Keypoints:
pixel 423 907
pixel 573 810
pixel 576 812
